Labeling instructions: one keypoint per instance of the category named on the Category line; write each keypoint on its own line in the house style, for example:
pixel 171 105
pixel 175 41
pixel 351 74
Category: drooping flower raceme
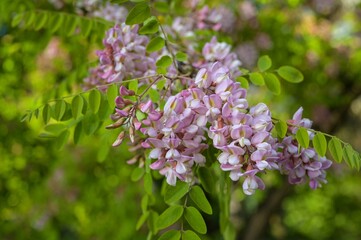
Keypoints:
pixel 177 138
pixel 124 56
pixel 301 164
pixel 204 106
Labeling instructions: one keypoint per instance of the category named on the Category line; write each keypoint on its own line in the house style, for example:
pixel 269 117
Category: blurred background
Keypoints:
pixel 85 191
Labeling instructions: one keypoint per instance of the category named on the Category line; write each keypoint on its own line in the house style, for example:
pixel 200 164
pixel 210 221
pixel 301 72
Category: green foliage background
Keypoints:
pixel 84 191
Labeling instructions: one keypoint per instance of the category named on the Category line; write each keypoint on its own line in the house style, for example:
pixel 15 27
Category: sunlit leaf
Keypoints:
pixel 303 138
pixel 94 100
pixel 138 14
pixel 256 79
pixel 181 56
pixel 290 74
pixel 59 109
pixel 335 148
pixel 264 63
pixel 349 156
pixel 200 199
pixel 150 26
pixel 170 216
pixel 46 113
pixel 155 44
pixel 243 81
pixel 174 193
pixel 320 144
pixel 272 83
pixel 77 106
pixel 195 220
pixel 281 128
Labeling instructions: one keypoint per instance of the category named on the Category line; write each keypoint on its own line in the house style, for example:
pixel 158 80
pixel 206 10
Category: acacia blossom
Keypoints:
pixel 124 56
pixel 241 133
pixel 298 163
pixel 204 107
pixel 177 138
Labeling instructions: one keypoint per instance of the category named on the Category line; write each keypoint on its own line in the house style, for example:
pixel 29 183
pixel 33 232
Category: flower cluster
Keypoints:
pixel 205 105
pixel 177 137
pixel 301 164
pixel 241 133
pixel 124 56
pixel 215 51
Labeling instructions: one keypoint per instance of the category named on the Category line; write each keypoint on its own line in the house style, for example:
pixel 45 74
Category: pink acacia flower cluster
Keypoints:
pixel 205 107
pixel 124 57
pixel 177 138
pixel 301 165
pixel 242 134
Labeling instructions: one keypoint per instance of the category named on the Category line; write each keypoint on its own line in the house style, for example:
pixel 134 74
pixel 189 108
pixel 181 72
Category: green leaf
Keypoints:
pixel 41 19
pixel 112 93
pixel 70 25
pixel 144 203
pixel 150 26
pixel 86 27
pixel 55 22
pixel 164 61
pixel 200 199
pixel 170 235
pixel 148 183
pixel 141 220
pixel 36 113
pixel 55 128
pixel 133 85
pixel 77 105
pixel 24 117
pixel 17 20
pixel 161 84
pixel 281 128
pixel 59 109
pixel 29 18
pixel 90 123
pixel 154 95
pixel 62 139
pixel 320 144
pixel 181 56
pixel 302 137
pixel 264 63
pixel 358 161
pixel 78 132
pixel 137 174
pixel 335 148
pixel 155 44
pixel 290 74
pixel 138 14
pixel 256 79
pixel 349 156
pixel 94 100
pixel 243 81
pixel 207 179
pixel 174 193
pixel 272 83
pixel 195 220
pixel 170 216
pixel 152 221
pixel 104 109
pixel 190 235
